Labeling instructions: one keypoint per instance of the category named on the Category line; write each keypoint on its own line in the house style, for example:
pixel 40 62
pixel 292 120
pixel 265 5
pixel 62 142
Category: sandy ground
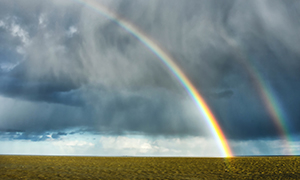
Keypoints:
pixel 64 167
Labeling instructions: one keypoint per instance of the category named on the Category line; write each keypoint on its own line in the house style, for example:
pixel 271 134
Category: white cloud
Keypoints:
pixel 136 146
pixel 192 146
pixel 75 147
pixel 265 147
pixel 2 24
pixel 42 21
pixel 8 66
pixel 144 146
pixel 78 143
pixel 17 31
pixel 72 30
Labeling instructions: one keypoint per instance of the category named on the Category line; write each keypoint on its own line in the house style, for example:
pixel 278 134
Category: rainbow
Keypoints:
pixel 265 91
pixel 172 66
pixel 275 111
pixel 273 108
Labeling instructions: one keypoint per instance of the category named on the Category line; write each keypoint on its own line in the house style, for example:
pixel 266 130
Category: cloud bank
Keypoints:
pixel 64 66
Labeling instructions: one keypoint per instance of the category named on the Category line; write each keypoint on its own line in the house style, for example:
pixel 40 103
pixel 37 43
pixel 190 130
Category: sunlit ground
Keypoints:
pixel 69 167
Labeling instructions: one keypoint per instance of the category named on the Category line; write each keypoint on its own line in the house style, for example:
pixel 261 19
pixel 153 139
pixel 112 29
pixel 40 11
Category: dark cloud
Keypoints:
pixel 63 65
pixel 19 135
pixel 40 91
pixel 10 130
pixel 58 135
pixel 222 94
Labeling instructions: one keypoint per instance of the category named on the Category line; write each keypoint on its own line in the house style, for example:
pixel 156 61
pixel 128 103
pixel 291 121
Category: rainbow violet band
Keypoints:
pixel 172 66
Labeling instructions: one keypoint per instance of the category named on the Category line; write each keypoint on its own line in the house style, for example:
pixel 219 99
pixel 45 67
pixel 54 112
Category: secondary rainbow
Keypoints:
pixel 265 91
pixel 172 66
pixel 273 107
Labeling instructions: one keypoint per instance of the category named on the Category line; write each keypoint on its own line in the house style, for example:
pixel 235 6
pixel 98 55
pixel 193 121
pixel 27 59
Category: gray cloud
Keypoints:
pixel 66 66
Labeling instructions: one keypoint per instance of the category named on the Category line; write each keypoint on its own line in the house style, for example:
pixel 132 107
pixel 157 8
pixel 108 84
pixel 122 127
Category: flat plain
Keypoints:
pixel 72 167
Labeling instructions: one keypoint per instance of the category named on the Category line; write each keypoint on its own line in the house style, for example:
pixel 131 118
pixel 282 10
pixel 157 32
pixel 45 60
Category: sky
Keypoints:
pixel 73 82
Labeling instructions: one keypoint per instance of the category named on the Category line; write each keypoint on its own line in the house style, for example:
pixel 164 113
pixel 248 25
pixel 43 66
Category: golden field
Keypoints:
pixel 69 167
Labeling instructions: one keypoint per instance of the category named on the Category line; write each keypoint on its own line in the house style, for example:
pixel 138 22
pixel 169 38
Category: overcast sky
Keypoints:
pixel 73 82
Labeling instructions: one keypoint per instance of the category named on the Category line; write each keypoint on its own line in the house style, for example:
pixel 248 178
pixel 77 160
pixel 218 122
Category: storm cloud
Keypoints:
pixel 63 65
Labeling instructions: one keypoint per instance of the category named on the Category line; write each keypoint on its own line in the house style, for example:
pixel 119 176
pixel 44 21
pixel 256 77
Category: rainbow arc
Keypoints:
pixel 269 99
pixel 172 66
